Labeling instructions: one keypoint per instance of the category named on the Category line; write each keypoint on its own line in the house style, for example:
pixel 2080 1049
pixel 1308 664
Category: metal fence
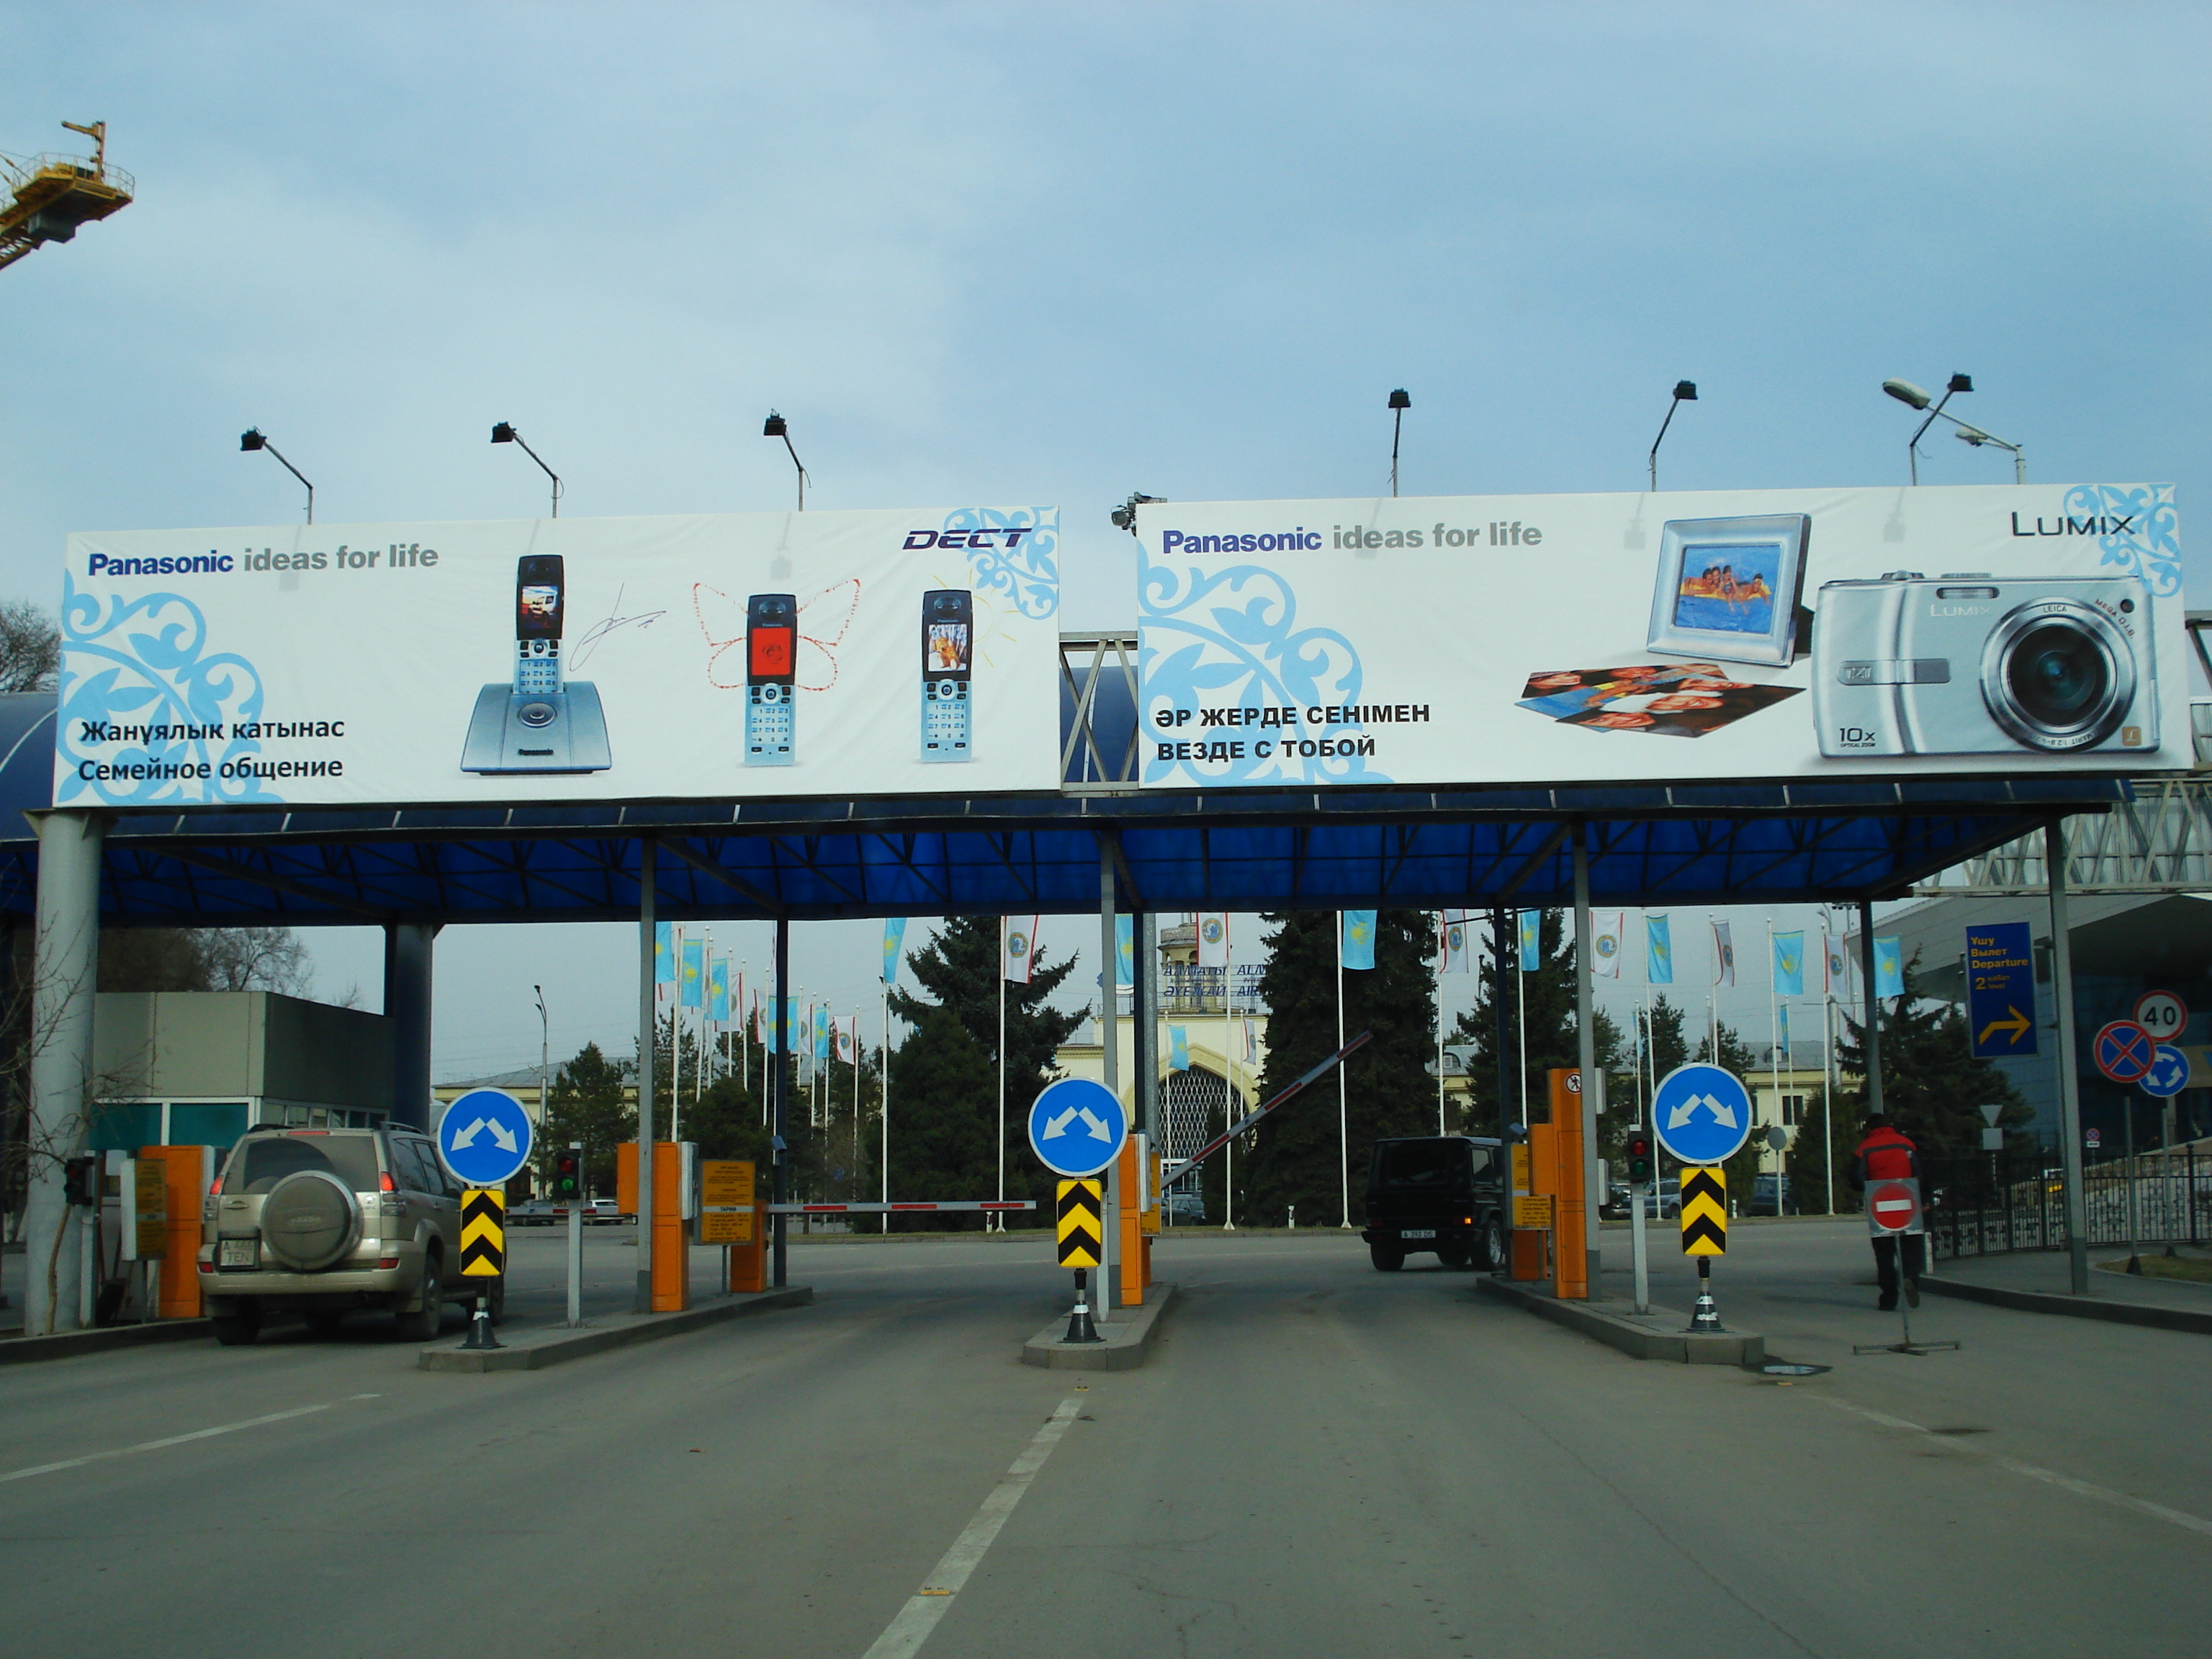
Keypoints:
pixel 1986 1206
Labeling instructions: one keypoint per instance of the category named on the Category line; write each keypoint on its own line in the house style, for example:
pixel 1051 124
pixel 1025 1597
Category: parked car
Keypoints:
pixel 535 1212
pixel 1437 1193
pixel 597 1212
pixel 322 1222
pixel 1761 1201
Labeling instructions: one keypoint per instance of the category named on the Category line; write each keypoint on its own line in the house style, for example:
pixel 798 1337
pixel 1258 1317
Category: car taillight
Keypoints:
pixel 385 1184
pixel 388 1261
pixel 215 1185
pixel 206 1266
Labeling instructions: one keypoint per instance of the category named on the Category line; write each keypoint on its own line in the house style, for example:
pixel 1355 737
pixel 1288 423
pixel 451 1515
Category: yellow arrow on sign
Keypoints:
pixel 2018 1025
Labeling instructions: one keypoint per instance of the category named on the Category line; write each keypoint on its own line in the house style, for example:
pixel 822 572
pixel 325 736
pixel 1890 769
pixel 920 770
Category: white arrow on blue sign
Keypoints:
pixel 1077 1127
pixel 1702 1113
pixel 2169 1075
pixel 484 1137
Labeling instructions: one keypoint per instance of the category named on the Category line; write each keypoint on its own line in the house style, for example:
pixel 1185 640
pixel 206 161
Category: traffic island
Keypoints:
pixel 1125 1338
pixel 534 1348
pixel 17 1349
pixel 1659 1334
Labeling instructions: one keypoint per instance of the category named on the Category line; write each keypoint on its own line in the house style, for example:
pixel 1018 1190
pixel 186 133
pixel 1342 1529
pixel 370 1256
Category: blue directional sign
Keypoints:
pixel 1702 1113
pixel 2169 1075
pixel 484 1137
pixel 2001 989
pixel 1077 1127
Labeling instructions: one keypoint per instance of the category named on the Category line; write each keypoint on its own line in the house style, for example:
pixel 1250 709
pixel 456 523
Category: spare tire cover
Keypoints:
pixel 309 1220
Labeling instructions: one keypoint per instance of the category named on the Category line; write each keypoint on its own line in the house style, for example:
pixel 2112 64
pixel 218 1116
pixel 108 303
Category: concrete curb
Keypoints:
pixel 1128 1341
pixel 2074 1307
pixel 533 1351
pixel 64 1344
pixel 1640 1339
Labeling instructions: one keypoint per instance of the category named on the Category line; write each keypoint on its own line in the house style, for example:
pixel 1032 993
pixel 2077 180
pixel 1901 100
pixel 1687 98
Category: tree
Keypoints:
pixel 30 647
pixel 1297 1156
pixel 1548 992
pixel 960 970
pixel 587 1104
pixel 944 1091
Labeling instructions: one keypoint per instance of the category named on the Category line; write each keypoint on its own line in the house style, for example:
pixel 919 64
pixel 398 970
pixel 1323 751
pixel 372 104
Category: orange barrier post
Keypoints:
pixel 1569 1228
pixel 672 1251
pixel 187 1172
pixel 1132 1263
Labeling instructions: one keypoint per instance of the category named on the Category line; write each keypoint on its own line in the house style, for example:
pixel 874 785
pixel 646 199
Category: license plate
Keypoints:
pixel 238 1253
pixel 1422 1232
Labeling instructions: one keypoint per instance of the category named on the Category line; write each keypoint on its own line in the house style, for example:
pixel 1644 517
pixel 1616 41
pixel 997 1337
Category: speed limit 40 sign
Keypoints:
pixel 2163 1014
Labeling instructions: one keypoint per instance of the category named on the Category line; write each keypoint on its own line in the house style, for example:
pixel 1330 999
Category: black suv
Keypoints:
pixel 1437 1193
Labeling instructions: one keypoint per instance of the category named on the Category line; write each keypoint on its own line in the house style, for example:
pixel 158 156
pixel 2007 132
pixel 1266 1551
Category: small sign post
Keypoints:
pixel 484 1255
pixel 1079 1230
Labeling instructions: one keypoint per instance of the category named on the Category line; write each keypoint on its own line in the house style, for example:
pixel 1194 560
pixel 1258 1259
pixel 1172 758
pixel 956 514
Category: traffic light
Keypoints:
pixel 568 1174
pixel 80 1181
pixel 1640 1168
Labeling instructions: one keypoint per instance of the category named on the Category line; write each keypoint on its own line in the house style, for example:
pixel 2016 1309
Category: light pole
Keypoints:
pixel 776 426
pixel 1913 396
pixel 544 1056
pixel 251 439
pixel 1686 391
pixel 1399 403
pixel 505 433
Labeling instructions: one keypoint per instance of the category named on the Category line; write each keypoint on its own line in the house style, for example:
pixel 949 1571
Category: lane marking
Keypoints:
pixel 178 1439
pixel 904 1635
pixel 2035 1471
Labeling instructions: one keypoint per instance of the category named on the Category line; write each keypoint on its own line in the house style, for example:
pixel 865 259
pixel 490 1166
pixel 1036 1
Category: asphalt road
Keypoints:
pixel 1320 1460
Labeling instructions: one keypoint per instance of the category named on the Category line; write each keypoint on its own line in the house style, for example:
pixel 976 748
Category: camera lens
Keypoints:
pixel 2056 673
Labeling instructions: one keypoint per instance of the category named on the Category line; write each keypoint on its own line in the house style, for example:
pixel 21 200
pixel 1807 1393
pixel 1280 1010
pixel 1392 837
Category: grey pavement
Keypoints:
pixel 1319 1460
pixel 2047 1271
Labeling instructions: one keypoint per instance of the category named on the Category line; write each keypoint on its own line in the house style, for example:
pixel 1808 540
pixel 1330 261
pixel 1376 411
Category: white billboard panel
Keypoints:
pixel 1698 636
pixel 709 657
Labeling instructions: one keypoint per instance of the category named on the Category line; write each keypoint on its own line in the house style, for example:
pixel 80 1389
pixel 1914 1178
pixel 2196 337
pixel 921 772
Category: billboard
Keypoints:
pixel 707 657
pixel 1721 634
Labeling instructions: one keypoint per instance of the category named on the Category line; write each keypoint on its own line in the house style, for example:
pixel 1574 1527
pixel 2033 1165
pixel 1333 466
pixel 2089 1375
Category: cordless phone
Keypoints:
pixel 771 642
pixel 947 656
pixel 539 582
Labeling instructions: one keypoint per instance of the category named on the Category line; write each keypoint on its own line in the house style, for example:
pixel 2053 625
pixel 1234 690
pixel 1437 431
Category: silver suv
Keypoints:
pixel 324 1221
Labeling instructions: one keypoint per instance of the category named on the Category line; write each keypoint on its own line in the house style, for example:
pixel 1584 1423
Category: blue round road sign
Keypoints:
pixel 1077 1127
pixel 2169 1075
pixel 2124 1051
pixel 1702 1113
pixel 484 1137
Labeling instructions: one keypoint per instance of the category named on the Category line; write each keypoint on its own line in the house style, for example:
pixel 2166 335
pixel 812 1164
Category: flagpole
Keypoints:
pixel 885 1171
pixel 1228 1094
pixel 1343 1097
pixel 1774 1047
pixel 1521 1010
pixel 676 1043
pixel 999 1218
pixel 1439 978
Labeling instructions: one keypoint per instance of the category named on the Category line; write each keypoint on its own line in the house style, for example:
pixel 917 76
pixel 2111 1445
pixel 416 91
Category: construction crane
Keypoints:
pixel 50 196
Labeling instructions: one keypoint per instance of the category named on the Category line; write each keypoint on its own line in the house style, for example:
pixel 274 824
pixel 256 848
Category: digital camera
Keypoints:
pixel 1972 664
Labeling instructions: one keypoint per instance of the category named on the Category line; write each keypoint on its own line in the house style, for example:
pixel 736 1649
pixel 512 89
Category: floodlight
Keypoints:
pixel 1125 516
pixel 776 426
pixel 504 433
pixel 251 440
pixel 1686 391
pixel 1906 392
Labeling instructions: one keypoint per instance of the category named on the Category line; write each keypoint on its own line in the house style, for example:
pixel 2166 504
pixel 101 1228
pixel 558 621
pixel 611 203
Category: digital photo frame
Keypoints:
pixel 1729 589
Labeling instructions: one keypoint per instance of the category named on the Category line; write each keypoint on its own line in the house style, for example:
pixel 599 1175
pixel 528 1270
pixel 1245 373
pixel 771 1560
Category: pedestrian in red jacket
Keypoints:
pixel 1885 1154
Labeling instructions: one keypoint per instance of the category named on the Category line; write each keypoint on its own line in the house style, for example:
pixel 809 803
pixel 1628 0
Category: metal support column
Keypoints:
pixel 1110 1235
pixel 1586 1053
pixel 2069 1090
pixel 408 951
pixel 648 1036
pixel 1144 1086
pixel 1872 1033
pixel 65 971
pixel 782 1061
pixel 1500 921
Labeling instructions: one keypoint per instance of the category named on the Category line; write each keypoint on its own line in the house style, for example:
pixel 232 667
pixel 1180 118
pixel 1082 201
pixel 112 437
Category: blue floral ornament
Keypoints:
pixel 1028 574
pixel 2151 548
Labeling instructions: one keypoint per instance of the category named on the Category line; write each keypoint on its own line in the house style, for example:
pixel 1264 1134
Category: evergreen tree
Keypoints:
pixel 960 969
pixel 1548 995
pixel 1296 1157
pixel 586 1104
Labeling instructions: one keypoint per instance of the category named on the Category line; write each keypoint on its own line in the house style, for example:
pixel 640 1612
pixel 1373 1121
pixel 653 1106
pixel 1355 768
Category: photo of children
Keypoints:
pixel 1679 700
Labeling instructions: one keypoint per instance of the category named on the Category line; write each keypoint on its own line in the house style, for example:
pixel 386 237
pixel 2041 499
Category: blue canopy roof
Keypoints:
pixel 990 854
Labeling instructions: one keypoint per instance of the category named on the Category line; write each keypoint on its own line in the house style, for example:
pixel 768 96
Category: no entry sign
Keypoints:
pixel 1893 1207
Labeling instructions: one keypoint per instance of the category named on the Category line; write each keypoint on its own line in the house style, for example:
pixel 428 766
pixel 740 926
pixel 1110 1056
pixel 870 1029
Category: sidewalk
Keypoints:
pixel 2046 1270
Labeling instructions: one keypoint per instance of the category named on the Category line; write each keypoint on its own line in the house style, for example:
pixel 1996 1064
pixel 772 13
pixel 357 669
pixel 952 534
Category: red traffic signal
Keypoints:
pixel 1640 1168
pixel 568 1175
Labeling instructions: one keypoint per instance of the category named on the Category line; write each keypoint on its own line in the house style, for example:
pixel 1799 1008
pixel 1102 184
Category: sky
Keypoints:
pixel 1059 253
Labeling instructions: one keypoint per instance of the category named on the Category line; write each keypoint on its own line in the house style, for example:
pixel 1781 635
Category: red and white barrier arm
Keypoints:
pixel 1251 1121
pixel 902 1209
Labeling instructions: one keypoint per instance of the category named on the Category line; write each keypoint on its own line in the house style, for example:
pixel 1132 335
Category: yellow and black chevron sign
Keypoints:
pixel 1080 1216
pixel 483 1232
pixel 1704 1209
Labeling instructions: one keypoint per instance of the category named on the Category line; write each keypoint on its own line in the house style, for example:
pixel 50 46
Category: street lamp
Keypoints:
pixel 1125 516
pixel 544 1056
pixel 251 439
pixel 1686 391
pixel 1913 396
pixel 505 433
pixel 1399 403
pixel 776 426
pixel 1976 437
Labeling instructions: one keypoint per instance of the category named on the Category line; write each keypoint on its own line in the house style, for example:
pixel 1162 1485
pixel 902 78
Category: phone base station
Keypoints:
pixel 563 730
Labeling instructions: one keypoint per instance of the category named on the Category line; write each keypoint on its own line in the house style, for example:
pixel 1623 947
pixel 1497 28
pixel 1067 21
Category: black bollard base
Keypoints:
pixel 480 1336
pixel 1080 1326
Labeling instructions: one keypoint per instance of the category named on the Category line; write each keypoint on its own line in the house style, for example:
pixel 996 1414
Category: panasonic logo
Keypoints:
pixel 1299 540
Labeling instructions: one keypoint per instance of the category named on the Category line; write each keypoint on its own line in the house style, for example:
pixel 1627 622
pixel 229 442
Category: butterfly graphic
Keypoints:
pixel 823 623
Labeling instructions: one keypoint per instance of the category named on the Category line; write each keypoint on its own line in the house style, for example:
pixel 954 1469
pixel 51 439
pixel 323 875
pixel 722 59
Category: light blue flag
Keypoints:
pixel 1359 946
pixel 822 1036
pixel 664 953
pixel 1888 967
pixel 1783 1032
pixel 1532 940
pixel 718 991
pixel 1790 964
pixel 1179 1049
pixel 894 942
pixel 1125 953
pixel 1658 951
pixel 695 974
